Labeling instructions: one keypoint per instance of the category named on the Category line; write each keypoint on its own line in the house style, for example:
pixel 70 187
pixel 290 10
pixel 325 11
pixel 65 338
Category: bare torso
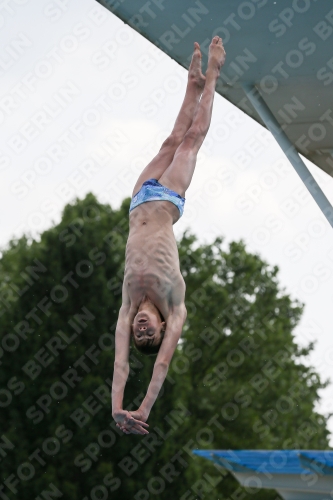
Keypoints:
pixel 152 261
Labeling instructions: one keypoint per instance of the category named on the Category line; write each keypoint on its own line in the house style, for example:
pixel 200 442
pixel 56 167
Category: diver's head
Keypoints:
pixel 148 330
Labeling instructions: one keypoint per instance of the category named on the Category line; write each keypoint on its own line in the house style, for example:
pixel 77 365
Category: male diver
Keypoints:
pixel 153 310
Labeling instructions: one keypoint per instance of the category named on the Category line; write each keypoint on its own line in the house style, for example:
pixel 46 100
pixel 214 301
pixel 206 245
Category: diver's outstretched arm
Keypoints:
pixel 120 374
pixel 173 332
pixel 121 365
pixel 172 335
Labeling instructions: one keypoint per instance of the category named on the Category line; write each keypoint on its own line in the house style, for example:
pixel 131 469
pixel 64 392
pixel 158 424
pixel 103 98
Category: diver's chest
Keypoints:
pixel 150 266
pixel 155 285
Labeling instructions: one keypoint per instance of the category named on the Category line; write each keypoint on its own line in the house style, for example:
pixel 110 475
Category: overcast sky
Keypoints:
pixel 85 103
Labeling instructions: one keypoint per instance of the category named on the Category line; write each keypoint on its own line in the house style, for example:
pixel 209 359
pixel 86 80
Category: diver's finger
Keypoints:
pixel 144 424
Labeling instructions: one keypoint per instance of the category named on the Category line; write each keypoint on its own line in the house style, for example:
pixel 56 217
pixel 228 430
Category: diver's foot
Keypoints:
pixel 217 54
pixel 194 73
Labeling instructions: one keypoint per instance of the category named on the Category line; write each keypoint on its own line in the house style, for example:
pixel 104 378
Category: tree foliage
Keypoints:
pixel 238 380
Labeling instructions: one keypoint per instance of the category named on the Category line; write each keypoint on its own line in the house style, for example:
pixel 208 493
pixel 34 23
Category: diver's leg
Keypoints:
pixel 195 85
pixel 179 174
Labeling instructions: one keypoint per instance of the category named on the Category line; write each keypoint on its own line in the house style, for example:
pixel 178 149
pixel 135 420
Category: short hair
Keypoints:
pixel 147 347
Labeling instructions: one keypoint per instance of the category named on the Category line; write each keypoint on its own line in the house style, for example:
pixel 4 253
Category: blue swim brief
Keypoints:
pixel 152 190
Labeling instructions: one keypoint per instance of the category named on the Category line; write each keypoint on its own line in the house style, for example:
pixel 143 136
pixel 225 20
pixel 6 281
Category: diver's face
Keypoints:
pixel 146 325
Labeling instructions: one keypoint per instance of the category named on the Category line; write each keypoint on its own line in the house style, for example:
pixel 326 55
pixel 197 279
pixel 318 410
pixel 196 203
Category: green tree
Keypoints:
pixel 238 380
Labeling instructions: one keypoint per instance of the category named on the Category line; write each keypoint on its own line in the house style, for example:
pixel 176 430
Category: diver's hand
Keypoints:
pixel 128 423
pixel 140 414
